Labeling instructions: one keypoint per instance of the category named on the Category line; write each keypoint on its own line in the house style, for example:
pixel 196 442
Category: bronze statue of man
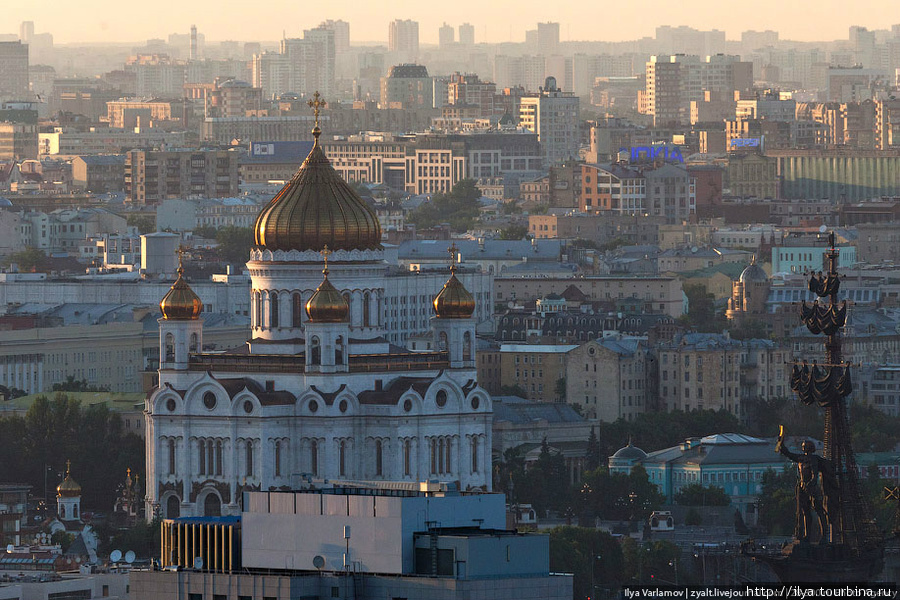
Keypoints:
pixel 810 498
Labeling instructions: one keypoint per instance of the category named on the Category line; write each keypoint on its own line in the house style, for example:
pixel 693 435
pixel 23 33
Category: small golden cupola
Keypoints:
pixel 69 488
pixel 327 305
pixel 317 208
pixel 454 301
pixel 181 303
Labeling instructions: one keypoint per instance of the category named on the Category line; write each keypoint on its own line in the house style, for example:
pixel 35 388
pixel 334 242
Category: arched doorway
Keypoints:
pixel 212 506
pixel 173 507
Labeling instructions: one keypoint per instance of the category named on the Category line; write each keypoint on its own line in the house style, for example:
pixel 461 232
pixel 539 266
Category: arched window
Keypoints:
pixel 75 510
pixel 296 309
pixel 172 457
pixel 202 455
pixel 442 341
pixel 379 465
pixel 440 457
pixel 315 349
pixel 62 512
pixel 339 350
pixel 434 464
pixel 366 310
pixel 447 460
pixel 257 309
pixel 212 506
pixel 170 347
pixel 342 459
pixel 219 457
pixel 467 346
pixel 193 345
pixel 249 458
pixel 211 457
pixel 474 454
pixel 407 452
pixel 346 296
pixel 173 507
pixel 278 459
pixel 273 310
pixel 314 457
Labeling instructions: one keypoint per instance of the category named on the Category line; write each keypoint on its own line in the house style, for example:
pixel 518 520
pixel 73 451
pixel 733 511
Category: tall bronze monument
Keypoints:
pixel 836 539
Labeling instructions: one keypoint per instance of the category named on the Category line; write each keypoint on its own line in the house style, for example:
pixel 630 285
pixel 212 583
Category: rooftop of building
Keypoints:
pixel 518 411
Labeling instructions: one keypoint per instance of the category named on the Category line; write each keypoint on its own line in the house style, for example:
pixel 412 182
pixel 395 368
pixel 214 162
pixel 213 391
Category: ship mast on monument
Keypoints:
pixel 835 539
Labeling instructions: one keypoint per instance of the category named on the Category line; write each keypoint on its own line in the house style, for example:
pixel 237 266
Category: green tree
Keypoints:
pixel 514 232
pixel 593 557
pixel 697 494
pixel 29 260
pixel 235 243
pixel 144 223
pixel 777 503
pixel 460 208
pixel 560 389
pixel 206 231
pixel 693 517
pixel 592 456
pixel 702 313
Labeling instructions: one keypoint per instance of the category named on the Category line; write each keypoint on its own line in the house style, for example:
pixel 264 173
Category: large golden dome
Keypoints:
pixel 181 303
pixel 69 488
pixel 454 301
pixel 327 305
pixel 317 208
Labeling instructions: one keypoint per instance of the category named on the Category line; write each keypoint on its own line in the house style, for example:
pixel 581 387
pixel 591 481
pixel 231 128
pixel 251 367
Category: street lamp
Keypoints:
pixel 674 564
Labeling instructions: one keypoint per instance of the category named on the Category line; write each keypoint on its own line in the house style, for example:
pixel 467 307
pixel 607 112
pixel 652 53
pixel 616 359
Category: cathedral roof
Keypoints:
pixel 317 208
pixel 327 304
pixel 69 488
pixel 454 301
pixel 181 303
pixel 391 395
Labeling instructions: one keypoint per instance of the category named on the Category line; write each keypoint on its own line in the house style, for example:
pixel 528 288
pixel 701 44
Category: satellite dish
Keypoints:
pixel 78 559
pixel 198 563
pixel 129 556
pixel 823 229
pixel 318 561
pixel 115 556
pixel 11 548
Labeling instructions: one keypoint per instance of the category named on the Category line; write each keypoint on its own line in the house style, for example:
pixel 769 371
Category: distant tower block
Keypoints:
pixel 194 42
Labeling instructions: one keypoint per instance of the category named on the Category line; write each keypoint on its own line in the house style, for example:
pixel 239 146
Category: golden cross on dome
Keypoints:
pixel 316 104
pixel 180 251
pixel 325 254
pixel 453 250
pixel 68 467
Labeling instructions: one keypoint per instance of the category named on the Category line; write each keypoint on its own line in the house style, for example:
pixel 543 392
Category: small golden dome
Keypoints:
pixel 181 303
pixel 69 488
pixel 317 208
pixel 454 301
pixel 327 305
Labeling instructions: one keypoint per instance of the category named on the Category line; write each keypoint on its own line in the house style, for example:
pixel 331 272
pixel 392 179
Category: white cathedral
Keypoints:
pixel 318 392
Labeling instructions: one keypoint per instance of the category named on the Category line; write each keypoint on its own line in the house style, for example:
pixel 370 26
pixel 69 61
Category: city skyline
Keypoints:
pixel 79 24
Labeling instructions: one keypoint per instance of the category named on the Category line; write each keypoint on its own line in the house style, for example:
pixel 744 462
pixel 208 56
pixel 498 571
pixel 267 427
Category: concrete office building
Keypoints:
pixel 14 72
pixel 553 115
pixel 153 176
pixel 403 39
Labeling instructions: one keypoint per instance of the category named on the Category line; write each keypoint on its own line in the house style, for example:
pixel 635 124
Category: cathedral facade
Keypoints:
pixel 318 392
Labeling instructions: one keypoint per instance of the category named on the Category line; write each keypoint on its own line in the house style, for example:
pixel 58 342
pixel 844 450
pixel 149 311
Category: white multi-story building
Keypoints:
pixel 319 390
pixel 553 116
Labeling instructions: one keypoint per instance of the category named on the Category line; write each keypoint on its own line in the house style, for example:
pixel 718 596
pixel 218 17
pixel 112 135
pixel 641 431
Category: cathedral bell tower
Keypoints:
pixel 453 325
pixel 328 327
pixel 180 328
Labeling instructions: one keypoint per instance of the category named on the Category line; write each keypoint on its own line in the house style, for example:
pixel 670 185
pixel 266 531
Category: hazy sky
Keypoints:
pixel 121 21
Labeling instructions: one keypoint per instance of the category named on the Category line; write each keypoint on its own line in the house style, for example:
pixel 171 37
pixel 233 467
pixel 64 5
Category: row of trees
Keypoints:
pixel 58 429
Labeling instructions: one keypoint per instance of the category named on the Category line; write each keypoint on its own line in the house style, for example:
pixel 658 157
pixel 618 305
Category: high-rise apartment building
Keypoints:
pixel 548 38
pixel 13 71
pixel 446 36
pixel 470 90
pixel 674 81
pixel 553 115
pixel 467 34
pixel 341 31
pixel 403 39
pixel 303 65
